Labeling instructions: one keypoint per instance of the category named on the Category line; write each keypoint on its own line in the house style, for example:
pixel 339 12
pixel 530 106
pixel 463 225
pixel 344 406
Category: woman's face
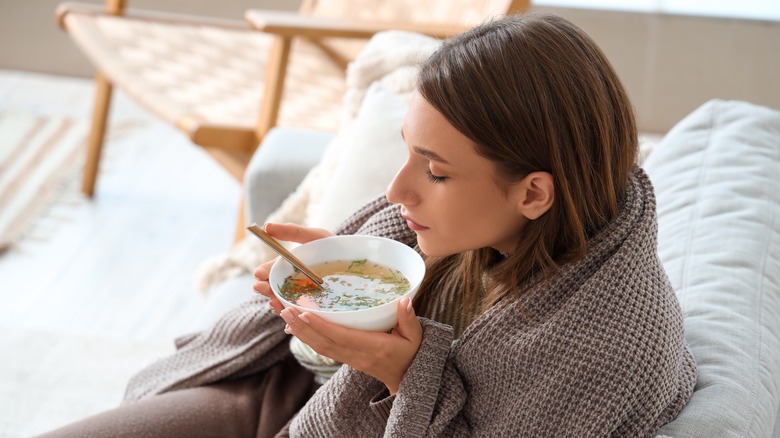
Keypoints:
pixel 449 194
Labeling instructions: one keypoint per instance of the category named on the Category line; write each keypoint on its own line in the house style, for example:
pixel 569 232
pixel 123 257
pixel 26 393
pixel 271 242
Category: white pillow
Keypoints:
pixel 717 181
pixel 371 154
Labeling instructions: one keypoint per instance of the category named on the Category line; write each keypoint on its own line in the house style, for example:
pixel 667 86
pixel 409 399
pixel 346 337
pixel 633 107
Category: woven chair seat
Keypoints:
pixel 208 75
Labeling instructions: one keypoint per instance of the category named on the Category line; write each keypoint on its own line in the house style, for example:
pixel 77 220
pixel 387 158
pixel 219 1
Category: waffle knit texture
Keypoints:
pixel 597 350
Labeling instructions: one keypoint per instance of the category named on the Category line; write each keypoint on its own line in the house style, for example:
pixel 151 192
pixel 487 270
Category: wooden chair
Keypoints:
pixel 227 83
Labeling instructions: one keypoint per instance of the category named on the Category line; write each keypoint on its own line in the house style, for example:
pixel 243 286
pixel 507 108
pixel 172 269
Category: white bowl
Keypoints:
pixel 386 252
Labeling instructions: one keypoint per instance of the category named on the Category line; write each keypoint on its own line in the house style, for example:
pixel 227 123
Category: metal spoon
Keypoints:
pixel 282 251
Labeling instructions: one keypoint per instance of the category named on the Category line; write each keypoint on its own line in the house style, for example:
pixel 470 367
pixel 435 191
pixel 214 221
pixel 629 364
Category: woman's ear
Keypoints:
pixel 537 192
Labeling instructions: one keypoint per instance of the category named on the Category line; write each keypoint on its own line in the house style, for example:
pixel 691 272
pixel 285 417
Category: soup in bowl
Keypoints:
pixel 365 277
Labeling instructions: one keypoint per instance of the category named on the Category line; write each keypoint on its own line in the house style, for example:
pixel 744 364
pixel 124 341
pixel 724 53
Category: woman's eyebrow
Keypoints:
pixel 431 155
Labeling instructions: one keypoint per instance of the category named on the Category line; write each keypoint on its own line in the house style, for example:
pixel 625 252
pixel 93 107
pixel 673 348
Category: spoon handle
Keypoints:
pixel 276 246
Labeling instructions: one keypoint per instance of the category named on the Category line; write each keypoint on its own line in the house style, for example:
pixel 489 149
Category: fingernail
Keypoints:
pixel 409 306
pixel 304 317
pixel 287 316
pixel 287 329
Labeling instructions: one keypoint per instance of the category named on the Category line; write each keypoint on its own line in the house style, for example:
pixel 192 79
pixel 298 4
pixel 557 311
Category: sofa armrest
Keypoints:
pixel 278 166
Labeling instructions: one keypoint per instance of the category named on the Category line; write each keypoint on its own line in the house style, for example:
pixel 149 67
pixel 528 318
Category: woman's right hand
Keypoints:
pixel 289 233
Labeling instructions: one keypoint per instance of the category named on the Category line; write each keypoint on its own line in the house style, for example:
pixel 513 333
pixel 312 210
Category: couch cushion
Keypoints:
pixel 368 147
pixel 717 180
pixel 371 153
pixel 274 166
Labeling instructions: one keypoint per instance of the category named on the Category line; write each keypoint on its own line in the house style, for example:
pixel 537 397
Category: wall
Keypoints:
pixel 670 64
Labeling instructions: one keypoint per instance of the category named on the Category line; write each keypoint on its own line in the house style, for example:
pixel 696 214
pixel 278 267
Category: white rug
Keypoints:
pixel 36 152
pixel 41 157
pixel 48 380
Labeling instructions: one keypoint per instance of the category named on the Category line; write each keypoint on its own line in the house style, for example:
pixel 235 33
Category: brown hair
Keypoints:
pixel 535 93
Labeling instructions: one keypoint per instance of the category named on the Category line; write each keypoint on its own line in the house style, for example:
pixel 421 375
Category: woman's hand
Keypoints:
pixel 284 232
pixel 386 356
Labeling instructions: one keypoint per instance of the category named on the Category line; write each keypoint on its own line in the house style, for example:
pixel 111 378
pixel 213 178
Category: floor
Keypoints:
pixel 99 288
pixel 120 265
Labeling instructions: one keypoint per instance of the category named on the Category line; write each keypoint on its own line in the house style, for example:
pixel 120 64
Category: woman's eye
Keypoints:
pixel 433 178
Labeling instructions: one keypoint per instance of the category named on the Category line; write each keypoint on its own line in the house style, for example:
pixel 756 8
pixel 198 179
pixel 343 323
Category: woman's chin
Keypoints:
pixel 432 250
pixel 426 248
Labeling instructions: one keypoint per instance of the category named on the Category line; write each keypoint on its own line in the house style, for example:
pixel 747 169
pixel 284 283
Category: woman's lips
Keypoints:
pixel 414 226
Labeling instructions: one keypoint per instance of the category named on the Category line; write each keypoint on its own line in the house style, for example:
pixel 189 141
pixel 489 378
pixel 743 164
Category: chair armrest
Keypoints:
pixel 63 9
pixel 297 25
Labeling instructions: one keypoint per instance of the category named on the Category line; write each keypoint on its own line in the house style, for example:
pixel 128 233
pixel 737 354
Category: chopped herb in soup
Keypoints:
pixel 348 285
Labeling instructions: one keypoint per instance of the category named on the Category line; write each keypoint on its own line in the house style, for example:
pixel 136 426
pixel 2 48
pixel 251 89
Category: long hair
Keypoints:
pixel 534 93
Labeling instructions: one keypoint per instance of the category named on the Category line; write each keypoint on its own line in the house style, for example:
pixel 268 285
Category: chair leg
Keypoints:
pixel 97 132
pixel 274 84
pixel 240 222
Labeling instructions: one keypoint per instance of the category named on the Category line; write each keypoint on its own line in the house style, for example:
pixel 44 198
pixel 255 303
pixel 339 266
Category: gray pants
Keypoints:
pixel 257 406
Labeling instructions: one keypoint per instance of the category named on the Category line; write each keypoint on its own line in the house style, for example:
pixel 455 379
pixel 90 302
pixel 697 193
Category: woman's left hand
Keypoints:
pixel 386 356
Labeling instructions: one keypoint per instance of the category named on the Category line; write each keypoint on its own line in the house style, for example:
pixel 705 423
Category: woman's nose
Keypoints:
pixel 400 190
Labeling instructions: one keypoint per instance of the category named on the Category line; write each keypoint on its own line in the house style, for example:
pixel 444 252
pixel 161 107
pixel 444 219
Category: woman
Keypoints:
pixel 544 310
pixel 539 230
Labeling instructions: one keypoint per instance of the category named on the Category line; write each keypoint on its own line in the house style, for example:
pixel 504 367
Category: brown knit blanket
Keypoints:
pixel 596 351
